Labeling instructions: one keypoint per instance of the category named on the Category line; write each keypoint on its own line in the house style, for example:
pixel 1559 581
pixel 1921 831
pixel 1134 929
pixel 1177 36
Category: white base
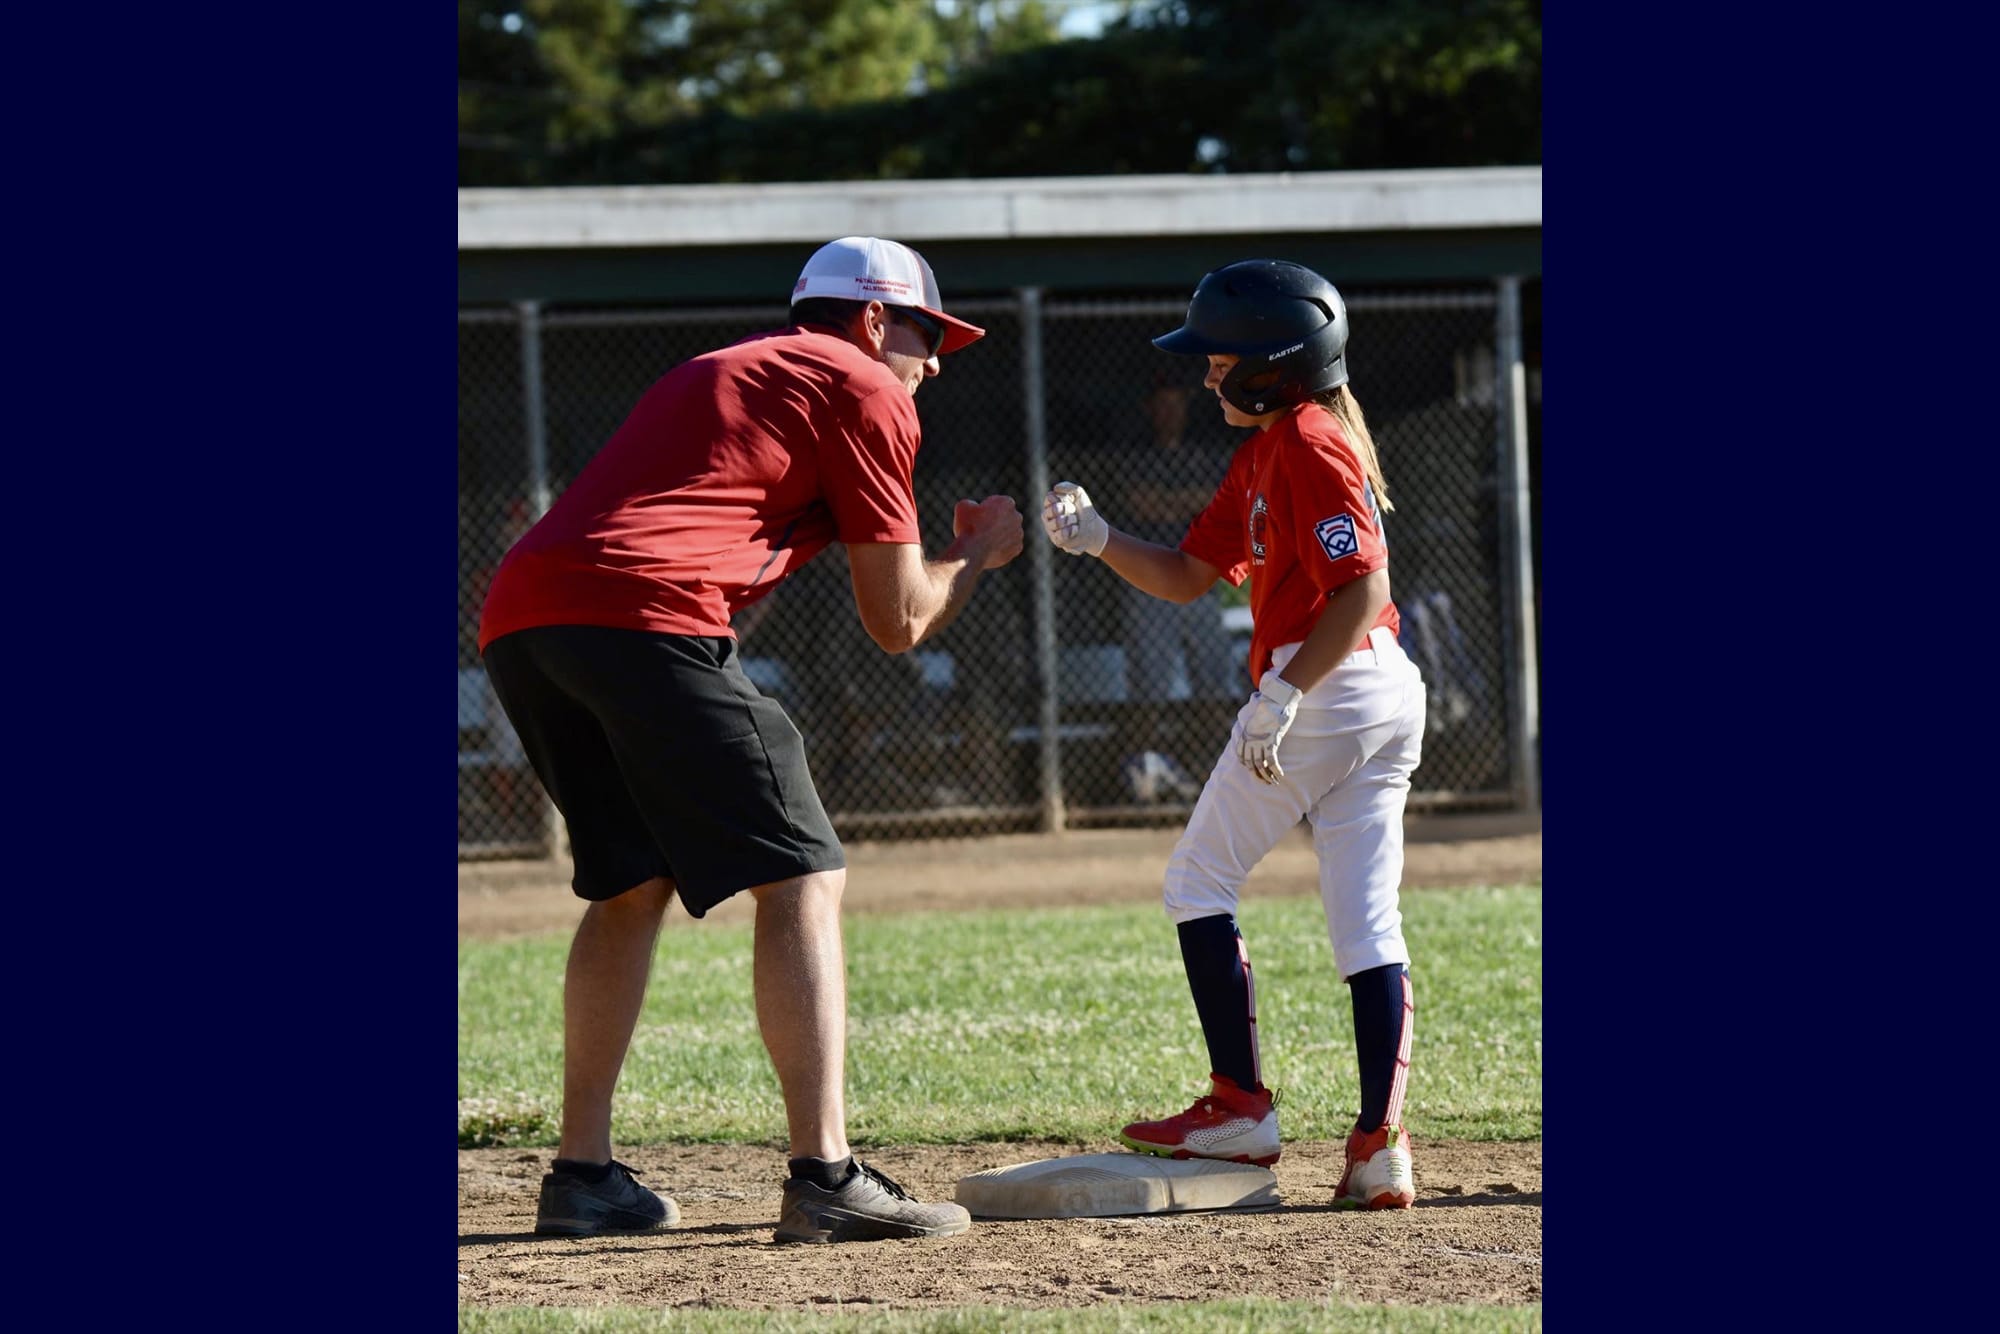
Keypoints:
pixel 1101 1185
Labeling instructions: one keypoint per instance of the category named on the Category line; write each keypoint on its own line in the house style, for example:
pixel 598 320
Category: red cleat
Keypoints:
pixel 1232 1124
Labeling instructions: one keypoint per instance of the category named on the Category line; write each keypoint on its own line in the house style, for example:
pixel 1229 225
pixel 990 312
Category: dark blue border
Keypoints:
pixel 1714 753
pixel 1624 622
pixel 236 566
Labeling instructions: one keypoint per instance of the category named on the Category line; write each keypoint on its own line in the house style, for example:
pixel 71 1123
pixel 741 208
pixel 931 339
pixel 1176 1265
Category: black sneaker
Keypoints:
pixel 868 1207
pixel 573 1207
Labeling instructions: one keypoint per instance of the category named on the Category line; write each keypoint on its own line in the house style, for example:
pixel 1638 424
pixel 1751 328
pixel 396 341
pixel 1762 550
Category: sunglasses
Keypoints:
pixel 931 329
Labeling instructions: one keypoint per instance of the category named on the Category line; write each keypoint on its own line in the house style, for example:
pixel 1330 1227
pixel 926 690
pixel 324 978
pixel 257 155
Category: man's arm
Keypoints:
pixel 904 599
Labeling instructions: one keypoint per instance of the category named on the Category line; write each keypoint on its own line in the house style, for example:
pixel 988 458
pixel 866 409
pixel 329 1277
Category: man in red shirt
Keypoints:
pixel 606 633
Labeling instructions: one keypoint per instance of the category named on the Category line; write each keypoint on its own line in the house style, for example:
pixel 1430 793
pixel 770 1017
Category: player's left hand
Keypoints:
pixel 1271 711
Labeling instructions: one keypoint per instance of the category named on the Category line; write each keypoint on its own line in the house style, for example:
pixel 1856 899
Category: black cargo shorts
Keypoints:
pixel 664 760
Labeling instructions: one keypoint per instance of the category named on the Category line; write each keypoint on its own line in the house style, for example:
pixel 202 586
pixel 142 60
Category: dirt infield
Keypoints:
pixel 501 899
pixel 1475 1234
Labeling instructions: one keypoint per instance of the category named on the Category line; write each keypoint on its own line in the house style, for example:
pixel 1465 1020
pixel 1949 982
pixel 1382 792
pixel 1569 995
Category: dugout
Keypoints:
pixel 572 300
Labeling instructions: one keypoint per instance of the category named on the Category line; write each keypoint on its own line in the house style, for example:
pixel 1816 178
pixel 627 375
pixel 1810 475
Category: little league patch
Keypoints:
pixel 1336 535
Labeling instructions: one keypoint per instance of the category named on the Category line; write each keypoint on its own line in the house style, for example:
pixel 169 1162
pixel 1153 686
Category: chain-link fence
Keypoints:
pixel 1060 696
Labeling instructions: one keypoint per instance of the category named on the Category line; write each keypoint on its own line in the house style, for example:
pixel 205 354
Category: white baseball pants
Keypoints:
pixel 1355 741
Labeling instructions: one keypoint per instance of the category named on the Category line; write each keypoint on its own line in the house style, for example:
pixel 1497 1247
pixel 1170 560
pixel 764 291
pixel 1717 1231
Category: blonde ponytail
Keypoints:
pixel 1342 403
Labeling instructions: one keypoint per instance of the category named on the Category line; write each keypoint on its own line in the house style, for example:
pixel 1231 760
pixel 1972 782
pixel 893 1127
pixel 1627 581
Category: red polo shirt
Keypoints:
pixel 734 469
pixel 1297 511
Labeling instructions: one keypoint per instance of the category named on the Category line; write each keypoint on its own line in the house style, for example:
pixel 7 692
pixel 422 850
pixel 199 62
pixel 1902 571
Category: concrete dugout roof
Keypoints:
pixel 632 242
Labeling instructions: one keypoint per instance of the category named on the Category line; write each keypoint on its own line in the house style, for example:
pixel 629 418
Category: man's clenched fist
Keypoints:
pixel 992 527
pixel 1072 522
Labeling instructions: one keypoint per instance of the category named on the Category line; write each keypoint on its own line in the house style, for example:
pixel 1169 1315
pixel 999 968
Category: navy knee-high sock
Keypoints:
pixel 1225 996
pixel 1383 1010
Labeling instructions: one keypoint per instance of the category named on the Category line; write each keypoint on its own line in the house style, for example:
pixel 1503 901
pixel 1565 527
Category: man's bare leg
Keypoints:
pixel 603 988
pixel 801 984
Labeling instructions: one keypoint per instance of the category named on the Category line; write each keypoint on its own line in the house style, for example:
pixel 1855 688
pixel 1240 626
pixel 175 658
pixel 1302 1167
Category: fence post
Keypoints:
pixel 1041 566
pixel 537 416
pixel 539 495
pixel 1517 552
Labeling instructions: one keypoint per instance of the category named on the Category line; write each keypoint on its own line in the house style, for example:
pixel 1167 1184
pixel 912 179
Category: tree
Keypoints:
pixel 656 91
pixel 547 88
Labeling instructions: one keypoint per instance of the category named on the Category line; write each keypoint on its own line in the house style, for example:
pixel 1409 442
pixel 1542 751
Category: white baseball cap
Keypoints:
pixel 868 268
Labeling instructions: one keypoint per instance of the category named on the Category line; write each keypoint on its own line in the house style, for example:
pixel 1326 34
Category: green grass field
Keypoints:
pixel 1055 1024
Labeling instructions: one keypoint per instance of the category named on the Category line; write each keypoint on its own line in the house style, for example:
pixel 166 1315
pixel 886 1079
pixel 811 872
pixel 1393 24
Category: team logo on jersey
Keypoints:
pixel 1336 536
pixel 1260 523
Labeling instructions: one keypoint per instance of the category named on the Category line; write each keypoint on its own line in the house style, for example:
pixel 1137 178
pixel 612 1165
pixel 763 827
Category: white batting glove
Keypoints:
pixel 1072 522
pixel 1271 712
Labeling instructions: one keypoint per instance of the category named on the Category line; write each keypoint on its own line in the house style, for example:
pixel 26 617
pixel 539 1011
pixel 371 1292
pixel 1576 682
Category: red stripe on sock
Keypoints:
pixel 1401 1081
pixel 1250 992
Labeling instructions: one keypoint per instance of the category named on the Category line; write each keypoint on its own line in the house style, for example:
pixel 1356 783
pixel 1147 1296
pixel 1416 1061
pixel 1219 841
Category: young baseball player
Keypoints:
pixel 607 636
pixel 1331 733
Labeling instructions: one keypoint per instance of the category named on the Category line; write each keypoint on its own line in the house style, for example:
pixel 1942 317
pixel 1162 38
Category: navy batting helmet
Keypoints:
pixel 1286 323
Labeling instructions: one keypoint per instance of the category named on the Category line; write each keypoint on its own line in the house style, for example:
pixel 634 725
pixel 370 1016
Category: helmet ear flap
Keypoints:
pixel 1256 385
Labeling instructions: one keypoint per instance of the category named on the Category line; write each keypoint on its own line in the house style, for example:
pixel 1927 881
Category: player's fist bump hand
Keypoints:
pixel 991 527
pixel 1072 522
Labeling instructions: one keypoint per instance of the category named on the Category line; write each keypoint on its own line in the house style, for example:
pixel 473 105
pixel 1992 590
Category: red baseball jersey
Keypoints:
pixel 1297 516
pixel 733 470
